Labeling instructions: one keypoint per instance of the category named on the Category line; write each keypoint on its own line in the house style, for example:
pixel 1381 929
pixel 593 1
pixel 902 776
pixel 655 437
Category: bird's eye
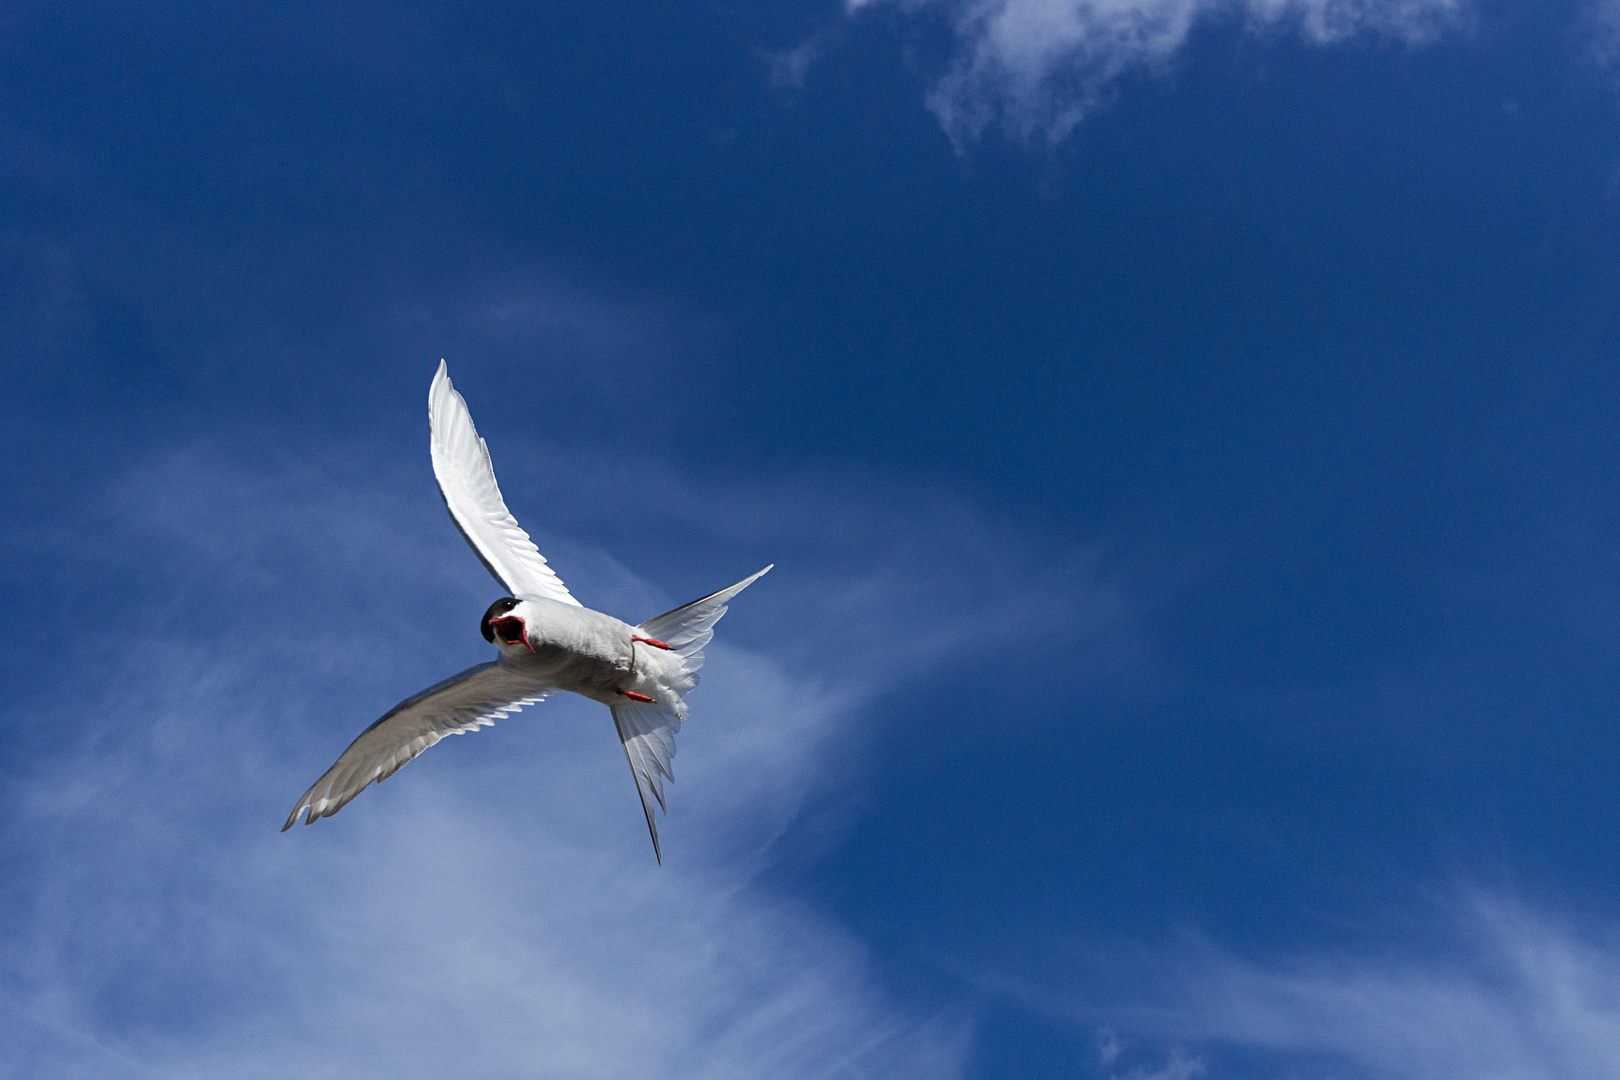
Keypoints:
pixel 497 609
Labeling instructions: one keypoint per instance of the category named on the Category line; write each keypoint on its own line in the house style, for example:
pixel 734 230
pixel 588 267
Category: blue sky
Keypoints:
pixel 1186 433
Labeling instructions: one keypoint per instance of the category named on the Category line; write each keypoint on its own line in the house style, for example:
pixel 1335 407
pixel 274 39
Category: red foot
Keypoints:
pixel 654 642
pixel 633 696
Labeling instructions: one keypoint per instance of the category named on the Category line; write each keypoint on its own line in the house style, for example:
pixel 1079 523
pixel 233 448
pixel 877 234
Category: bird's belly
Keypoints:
pixel 584 672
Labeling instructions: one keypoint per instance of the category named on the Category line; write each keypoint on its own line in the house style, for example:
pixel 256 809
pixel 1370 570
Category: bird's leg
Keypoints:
pixel 654 642
pixel 631 694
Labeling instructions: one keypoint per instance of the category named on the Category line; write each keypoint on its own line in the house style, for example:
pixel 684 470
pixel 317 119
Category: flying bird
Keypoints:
pixel 546 641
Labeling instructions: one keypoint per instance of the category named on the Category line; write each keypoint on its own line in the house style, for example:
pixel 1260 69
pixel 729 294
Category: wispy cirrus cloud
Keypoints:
pixel 1601 32
pixel 494 908
pixel 1521 998
pixel 1037 68
pixel 1500 991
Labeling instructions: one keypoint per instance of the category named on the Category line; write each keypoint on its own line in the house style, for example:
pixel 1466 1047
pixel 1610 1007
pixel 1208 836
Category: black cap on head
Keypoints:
pixel 496 610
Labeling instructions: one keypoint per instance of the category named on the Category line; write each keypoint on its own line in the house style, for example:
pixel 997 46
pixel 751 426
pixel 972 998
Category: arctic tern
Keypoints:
pixel 547 641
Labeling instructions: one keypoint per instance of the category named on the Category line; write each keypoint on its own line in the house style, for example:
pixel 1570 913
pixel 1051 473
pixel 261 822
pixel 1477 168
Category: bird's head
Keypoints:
pixel 502 623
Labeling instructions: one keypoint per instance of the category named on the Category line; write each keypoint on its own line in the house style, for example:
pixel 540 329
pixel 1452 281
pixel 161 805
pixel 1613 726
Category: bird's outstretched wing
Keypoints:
pixel 462 703
pixel 467 482
pixel 648 733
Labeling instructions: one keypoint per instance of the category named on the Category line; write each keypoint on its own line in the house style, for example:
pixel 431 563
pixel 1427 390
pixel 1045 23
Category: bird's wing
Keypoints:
pixel 648 734
pixel 460 704
pixel 467 482
pixel 689 627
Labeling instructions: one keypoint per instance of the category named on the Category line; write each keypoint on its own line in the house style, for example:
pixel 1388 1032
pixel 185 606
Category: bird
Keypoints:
pixel 546 641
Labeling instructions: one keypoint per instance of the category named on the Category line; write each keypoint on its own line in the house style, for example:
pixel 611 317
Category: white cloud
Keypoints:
pixel 537 314
pixel 1039 67
pixel 493 910
pixel 790 67
pixel 1509 994
pixel 1178 1066
pixel 1601 31
pixel 1528 1000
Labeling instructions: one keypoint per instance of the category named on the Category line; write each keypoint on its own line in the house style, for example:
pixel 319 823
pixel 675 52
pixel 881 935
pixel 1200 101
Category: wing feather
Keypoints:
pixel 466 702
pixel 467 483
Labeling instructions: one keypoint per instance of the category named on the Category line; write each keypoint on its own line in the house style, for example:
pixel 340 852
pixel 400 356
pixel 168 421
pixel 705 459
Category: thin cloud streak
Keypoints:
pixel 1601 32
pixel 1515 995
pixel 1529 1000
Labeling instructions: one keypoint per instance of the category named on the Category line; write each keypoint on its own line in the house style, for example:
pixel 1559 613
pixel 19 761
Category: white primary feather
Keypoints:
pixel 476 698
pixel 467 482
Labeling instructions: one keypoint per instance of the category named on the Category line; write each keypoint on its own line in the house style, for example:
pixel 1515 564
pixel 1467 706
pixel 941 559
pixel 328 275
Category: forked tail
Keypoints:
pixel 647 731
